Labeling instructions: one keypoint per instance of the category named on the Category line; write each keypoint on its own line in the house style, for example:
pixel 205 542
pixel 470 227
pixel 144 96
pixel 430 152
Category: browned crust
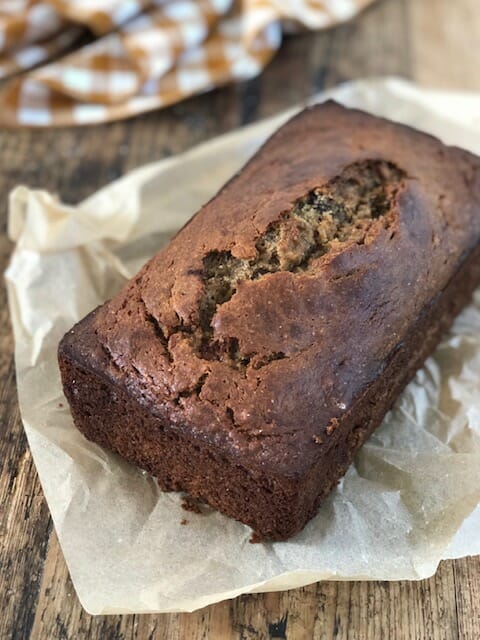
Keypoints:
pixel 276 508
pixel 263 414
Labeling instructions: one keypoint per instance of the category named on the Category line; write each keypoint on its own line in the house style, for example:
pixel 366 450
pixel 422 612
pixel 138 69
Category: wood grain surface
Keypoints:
pixel 434 41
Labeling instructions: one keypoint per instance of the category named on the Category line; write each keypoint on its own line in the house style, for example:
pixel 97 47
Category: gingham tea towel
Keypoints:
pixel 144 54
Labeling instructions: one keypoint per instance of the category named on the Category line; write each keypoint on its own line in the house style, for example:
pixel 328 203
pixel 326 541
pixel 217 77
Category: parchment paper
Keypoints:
pixel 410 499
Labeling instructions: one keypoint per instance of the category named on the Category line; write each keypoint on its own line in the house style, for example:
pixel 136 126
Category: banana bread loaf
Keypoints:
pixel 248 361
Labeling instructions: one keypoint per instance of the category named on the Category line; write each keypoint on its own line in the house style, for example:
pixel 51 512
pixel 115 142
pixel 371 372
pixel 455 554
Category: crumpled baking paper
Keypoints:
pixel 412 495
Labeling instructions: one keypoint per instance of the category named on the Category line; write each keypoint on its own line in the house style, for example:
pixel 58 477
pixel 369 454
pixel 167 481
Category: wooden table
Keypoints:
pixel 433 41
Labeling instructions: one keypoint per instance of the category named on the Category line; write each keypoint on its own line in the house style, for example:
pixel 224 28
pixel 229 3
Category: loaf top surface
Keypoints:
pixel 267 316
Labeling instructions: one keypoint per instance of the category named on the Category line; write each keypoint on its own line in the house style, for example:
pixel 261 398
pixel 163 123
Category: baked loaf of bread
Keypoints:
pixel 248 361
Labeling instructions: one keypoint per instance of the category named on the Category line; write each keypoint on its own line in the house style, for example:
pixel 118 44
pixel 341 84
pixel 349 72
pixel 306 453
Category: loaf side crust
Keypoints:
pixel 276 507
pixel 248 360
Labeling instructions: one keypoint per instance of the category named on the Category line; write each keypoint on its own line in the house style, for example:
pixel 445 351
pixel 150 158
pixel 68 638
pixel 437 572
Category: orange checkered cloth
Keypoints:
pixel 145 53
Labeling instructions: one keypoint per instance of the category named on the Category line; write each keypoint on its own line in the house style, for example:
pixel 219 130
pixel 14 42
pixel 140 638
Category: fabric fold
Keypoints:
pixel 147 53
pixel 23 22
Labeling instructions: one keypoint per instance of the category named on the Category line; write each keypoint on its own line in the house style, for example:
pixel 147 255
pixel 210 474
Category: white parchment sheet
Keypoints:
pixel 410 499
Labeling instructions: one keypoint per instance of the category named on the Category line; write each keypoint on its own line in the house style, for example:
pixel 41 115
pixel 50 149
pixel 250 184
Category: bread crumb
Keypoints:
pixel 255 538
pixel 317 439
pixel 332 425
pixel 184 521
pixel 190 504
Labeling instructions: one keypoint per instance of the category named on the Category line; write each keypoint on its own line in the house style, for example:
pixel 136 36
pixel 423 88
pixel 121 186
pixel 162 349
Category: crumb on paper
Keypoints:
pixel 332 425
pixel 191 504
pixel 184 521
pixel 255 538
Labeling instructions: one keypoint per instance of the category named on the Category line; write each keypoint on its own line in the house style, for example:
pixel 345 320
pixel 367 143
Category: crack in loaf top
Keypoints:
pixel 268 314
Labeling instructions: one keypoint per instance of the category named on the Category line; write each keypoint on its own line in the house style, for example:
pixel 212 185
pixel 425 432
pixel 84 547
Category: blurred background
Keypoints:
pixel 161 53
